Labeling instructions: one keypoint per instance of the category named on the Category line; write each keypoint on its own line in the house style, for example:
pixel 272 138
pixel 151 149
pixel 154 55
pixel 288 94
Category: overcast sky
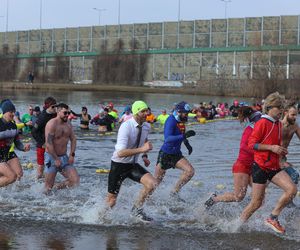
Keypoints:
pixel 25 14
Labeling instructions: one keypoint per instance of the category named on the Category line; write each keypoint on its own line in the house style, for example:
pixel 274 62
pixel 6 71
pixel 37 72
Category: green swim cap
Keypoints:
pixel 138 106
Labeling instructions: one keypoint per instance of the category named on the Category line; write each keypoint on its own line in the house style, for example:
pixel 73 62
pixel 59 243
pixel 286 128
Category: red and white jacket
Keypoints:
pixel 266 131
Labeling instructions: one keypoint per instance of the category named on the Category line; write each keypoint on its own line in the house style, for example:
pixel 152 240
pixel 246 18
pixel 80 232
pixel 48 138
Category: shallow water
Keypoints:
pixel 69 219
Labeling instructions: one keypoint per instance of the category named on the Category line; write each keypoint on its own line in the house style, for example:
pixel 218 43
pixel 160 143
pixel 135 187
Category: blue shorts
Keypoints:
pixel 50 164
pixel 293 173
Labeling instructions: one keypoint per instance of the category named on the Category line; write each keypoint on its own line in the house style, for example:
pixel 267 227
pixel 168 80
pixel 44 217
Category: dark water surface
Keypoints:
pixel 69 219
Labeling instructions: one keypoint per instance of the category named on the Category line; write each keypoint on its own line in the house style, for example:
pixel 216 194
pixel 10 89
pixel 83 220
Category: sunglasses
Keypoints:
pixel 53 106
pixel 67 112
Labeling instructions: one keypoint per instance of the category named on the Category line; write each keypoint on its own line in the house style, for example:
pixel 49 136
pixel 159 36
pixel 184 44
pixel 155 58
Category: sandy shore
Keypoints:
pixel 98 87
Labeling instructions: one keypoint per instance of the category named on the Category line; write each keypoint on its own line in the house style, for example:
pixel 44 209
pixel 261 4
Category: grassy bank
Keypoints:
pixel 97 87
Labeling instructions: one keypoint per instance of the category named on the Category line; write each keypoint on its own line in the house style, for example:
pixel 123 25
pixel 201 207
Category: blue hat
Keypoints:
pixel 183 107
pixel 7 106
pixel 127 109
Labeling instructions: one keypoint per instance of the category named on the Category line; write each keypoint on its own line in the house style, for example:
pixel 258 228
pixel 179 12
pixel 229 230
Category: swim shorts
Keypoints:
pixel 293 173
pixel 261 176
pixel 6 156
pixel 168 161
pixel 50 164
pixel 120 171
pixel 40 156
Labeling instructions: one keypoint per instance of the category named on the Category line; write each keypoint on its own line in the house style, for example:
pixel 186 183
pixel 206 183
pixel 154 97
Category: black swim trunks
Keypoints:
pixel 6 156
pixel 261 176
pixel 167 161
pixel 120 171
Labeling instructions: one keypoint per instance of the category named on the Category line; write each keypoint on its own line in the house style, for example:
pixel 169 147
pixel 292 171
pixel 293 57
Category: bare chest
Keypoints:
pixel 62 132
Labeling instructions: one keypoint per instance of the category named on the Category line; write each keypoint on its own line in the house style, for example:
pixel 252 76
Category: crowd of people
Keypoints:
pixel 269 128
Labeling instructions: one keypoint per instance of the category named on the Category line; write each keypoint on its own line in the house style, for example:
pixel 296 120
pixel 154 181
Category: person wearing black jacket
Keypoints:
pixel 104 121
pixel 38 132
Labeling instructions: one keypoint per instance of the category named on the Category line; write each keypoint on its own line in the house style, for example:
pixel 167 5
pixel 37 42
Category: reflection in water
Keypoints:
pixel 6 241
pixel 55 244
pixel 111 241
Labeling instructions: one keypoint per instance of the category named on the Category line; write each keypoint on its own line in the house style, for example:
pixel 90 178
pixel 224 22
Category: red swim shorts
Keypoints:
pixel 239 167
pixel 40 156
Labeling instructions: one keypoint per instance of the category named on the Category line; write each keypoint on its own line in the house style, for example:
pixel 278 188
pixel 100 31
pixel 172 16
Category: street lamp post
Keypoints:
pixel 179 10
pixel 41 12
pixel 119 12
pixel 119 18
pixel 99 13
pixel 6 30
pixel 178 22
pixel 1 17
pixel 226 3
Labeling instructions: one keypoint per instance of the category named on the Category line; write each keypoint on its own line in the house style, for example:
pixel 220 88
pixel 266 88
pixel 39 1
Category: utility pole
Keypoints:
pixel 226 3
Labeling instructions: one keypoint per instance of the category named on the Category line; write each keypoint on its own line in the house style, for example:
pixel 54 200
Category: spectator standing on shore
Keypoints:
pixel 30 78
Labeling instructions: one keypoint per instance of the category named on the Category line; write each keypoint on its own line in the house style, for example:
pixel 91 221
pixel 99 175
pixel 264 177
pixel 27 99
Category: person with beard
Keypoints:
pixel 58 133
pixel 289 128
pixel 38 132
pixel 170 155
pixel 132 140
pixel 266 140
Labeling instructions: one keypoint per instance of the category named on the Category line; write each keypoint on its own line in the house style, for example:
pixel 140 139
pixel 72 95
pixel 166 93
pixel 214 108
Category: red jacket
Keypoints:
pixel 246 153
pixel 266 131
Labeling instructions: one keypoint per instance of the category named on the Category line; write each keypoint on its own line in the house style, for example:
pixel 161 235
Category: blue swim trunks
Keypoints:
pixel 50 164
pixel 293 173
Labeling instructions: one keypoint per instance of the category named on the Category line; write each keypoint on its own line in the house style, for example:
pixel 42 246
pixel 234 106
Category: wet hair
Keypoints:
pixel 62 106
pixel 84 108
pixel 273 100
pixel 245 112
pixel 289 105
pixel 49 101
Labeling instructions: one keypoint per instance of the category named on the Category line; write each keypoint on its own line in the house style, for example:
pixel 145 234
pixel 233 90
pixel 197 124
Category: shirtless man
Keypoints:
pixel 289 128
pixel 58 133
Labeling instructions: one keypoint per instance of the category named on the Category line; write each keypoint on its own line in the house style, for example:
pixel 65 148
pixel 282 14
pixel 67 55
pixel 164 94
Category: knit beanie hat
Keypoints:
pixel 138 106
pixel 7 106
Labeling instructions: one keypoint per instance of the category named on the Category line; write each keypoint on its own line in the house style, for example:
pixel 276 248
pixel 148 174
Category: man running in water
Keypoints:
pixel 10 167
pixel 289 128
pixel 132 140
pixel 58 133
pixel 266 142
pixel 38 132
pixel 170 155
